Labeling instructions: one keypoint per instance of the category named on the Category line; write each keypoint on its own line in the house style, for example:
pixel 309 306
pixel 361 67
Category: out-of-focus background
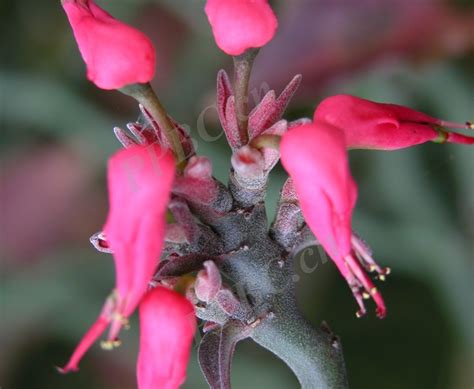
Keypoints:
pixel 415 206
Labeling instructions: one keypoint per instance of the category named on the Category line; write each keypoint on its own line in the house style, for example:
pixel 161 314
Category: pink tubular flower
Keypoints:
pixel 116 54
pixel 167 327
pixel 239 25
pixel 315 157
pixel 370 125
pixel 139 180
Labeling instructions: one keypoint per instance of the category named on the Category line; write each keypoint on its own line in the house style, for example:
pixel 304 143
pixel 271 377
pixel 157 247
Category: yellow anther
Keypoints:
pixel 365 295
pixel 107 345
pixel 116 343
pixel 381 277
pixel 110 344
pixel 387 271
pixel 359 314
pixel 116 316
pixel 372 268
pixel 373 291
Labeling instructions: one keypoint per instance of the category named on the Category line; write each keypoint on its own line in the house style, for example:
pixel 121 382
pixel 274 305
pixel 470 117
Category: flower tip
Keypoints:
pixel 381 312
pixel 116 54
pixel 67 369
pixel 110 344
pixel 241 25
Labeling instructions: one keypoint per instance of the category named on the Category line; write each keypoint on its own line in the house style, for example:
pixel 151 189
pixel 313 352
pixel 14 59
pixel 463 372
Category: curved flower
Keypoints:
pixel 239 25
pixel 139 180
pixel 167 327
pixel 315 157
pixel 116 54
pixel 370 125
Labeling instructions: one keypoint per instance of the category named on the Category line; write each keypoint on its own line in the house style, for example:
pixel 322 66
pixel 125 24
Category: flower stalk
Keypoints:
pixel 145 95
pixel 242 69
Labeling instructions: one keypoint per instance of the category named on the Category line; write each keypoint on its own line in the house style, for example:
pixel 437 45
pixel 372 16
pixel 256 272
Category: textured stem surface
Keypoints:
pixel 314 355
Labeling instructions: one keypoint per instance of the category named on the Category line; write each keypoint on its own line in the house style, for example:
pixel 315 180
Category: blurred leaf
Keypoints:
pixel 41 103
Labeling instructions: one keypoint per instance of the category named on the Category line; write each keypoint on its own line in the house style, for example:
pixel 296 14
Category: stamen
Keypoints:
pixel 467 125
pixel 117 316
pixel 107 345
pixel 358 277
pixel 364 254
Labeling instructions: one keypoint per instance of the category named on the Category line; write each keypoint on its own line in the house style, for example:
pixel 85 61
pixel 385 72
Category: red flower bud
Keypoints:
pixel 115 53
pixel 167 327
pixel 316 159
pixel 139 180
pixel 370 125
pixel 239 25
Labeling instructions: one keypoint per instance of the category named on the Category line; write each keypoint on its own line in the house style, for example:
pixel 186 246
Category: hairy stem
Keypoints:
pixel 145 95
pixel 242 69
pixel 265 273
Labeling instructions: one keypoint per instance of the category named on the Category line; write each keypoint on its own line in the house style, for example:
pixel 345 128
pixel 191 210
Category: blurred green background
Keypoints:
pixel 415 206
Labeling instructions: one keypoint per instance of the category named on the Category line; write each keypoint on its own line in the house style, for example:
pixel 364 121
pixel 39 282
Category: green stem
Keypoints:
pixel 145 95
pixel 314 356
pixel 242 69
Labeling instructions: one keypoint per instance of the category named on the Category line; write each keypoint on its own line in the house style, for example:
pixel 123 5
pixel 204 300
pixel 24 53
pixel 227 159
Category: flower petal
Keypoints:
pixel 115 53
pixel 167 327
pixel 241 24
pixel 140 180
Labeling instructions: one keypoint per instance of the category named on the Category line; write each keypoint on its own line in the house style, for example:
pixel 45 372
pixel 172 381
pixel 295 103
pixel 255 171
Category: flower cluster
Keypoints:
pixel 173 229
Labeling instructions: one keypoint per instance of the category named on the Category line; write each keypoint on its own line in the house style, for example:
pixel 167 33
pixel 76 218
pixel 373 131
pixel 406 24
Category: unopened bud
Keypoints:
pixel 208 282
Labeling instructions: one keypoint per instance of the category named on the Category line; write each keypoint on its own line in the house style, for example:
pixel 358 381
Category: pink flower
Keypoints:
pixel 115 53
pixel 315 157
pixel 167 327
pixel 239 25
pixel 370 125
pixel 139 180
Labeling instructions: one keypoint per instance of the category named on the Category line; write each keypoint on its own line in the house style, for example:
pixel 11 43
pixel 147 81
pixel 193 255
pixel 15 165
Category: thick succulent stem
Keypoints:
pixel 262 272
pixel 314 355
pixel 242 69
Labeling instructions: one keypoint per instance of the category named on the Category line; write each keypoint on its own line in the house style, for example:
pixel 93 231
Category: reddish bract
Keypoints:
pixel 116 54
pixel 239 25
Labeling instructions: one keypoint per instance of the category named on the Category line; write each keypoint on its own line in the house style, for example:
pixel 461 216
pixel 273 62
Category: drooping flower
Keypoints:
pixel 315 157
pixel 116 54
pixel 239 25
pixel 139 180
pixel 167 327
pixel 370 125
